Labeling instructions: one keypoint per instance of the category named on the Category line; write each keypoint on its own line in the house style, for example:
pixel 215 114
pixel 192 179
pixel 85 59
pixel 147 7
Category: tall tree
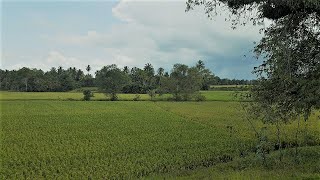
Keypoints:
pixel 200 65
pixel 87 80
pixel 289 76
pixel 111 80
pixel 206 75
pixel 136 85
pixel 88 68
pixel 149 80
pixel 160 71
pixel 126 69
pixel 183 82
pixel 160 74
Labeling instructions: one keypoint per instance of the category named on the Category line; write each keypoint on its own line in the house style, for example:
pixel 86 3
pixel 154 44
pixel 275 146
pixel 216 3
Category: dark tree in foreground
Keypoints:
pixel 288 83
pixel 289 77
pixel 111 80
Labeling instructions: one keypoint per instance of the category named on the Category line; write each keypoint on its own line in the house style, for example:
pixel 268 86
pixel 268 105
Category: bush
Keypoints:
pixel 87 94
pixel 152 94
pixel 310 140
pixel 137 97
pixel 177 97
pixel 186 96
pixel 199 97
pixel 113 97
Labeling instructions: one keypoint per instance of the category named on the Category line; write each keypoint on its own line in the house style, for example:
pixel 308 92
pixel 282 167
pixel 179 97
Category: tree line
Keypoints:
pixel 36 80
pixel 134 80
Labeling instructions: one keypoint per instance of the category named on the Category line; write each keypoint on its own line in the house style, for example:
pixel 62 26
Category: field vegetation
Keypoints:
pixel 77 96
pixel 56 138
pixel 166 125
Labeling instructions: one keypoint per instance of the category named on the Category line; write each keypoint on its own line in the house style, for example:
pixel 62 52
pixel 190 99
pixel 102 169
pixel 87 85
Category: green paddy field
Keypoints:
pixel 77 96
pixel 57 136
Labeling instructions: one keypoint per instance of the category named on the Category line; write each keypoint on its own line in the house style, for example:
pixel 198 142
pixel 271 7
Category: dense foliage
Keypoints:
pixel 87 95
pixel 36 80
pixel 111 80
pixel 291 48
pixel 288 78
pixel 183 82
pixel 59 80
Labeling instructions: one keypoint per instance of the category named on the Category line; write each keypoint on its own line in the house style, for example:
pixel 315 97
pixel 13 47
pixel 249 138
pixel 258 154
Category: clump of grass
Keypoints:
pixel 137 97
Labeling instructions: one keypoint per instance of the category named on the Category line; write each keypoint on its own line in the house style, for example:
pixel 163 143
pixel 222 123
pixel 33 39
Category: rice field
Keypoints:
pixel 45 136
pixel 4 95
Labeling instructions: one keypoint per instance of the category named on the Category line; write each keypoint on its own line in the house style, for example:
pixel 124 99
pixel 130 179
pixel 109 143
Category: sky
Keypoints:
pixel 45 34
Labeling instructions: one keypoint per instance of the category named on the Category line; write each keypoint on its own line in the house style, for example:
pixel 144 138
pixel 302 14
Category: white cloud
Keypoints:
pixel 160 32
pixel 163 31
pixel 56 57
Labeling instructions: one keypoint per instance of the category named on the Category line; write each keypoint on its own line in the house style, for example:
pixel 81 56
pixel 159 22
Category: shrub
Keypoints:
pixel 176 97
pixel 87 94
pixel 152 94
pixel 199 97
pixel 137 97
pixel 186 96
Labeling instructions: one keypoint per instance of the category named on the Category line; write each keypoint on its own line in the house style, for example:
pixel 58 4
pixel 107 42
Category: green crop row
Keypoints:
pixel 121 140
pixel 4 95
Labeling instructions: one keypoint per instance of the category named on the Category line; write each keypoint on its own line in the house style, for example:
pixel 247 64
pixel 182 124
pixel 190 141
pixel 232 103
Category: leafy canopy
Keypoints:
pixel 110 79
pixel 289 77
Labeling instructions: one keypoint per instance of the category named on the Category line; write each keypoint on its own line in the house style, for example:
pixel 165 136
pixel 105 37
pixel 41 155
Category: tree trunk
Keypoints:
pixel 297 144
pixel 279 141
